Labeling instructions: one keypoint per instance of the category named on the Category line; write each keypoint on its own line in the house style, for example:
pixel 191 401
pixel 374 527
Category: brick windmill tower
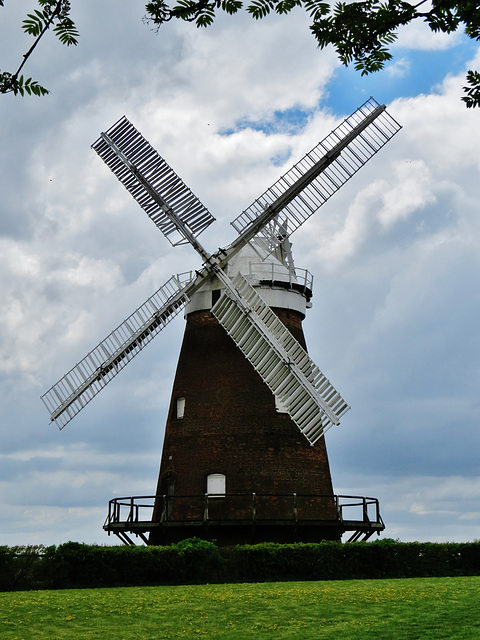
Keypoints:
pixel 244 457
pixel 256 460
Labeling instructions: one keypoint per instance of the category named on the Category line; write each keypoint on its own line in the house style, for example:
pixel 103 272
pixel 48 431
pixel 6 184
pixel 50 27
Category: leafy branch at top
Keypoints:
pixel 52 13
pixel 361 32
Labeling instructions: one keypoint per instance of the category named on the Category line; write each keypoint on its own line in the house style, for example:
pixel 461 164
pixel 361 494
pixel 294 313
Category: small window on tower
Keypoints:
pixel 215 296
pixel 180 407
pixel 216 485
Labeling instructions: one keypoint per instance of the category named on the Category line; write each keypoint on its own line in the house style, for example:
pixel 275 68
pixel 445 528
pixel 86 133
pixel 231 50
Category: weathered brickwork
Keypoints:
pixel 231 426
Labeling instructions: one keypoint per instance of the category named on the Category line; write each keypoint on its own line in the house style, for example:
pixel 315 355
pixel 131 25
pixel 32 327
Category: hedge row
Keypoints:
pixel 199 561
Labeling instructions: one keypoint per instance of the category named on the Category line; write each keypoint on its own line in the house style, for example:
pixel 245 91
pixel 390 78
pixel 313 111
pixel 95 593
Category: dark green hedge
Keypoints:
pixel 199 561
pixel 358 560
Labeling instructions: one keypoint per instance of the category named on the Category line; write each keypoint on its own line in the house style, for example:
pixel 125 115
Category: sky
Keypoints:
pixel 395 256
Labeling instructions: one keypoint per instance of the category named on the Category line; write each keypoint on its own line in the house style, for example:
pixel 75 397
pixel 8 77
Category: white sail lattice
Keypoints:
pixel 87 378
pixel 300 192
pixel 151 181
pixel 307 395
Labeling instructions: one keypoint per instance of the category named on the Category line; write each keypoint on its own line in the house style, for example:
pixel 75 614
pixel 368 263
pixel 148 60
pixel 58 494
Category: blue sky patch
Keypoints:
pixel 410 73
pixel 290 121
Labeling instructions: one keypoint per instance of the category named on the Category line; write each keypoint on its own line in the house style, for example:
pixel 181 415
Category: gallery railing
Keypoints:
pixel 251 507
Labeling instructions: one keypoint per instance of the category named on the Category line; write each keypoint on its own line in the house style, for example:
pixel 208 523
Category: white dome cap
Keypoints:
pixel 272 278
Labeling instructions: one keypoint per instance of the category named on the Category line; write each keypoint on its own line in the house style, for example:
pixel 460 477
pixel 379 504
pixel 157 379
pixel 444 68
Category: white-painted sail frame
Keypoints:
pixel 82 383
pixel 307 395
pixel 152 182
pixel 300 192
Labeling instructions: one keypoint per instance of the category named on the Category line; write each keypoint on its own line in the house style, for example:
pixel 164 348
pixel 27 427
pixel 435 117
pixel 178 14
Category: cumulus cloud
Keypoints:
pixel 418 35
pixel 399 68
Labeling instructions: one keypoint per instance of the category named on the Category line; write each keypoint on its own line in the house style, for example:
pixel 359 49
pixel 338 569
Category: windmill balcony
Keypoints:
pixel 273 272
pixel 244 518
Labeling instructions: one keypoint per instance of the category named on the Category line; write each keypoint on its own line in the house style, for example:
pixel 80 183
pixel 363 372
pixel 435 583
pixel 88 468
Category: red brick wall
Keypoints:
pixel 231 426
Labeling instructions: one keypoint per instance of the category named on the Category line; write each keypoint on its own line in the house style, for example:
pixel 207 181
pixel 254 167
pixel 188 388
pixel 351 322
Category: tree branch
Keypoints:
pixel 55 13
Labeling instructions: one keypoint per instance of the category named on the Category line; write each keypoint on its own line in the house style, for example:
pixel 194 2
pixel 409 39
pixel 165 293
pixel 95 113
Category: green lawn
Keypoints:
pixel 410 609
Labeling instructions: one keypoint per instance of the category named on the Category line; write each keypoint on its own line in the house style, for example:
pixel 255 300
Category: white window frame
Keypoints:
pixel 180 408
pixel 216 485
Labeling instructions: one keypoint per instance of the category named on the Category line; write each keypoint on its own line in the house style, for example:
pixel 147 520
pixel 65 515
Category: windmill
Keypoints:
pixel 244 456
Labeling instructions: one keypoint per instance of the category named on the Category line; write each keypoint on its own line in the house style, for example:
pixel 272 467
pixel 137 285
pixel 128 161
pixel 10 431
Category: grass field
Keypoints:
pixel 410 609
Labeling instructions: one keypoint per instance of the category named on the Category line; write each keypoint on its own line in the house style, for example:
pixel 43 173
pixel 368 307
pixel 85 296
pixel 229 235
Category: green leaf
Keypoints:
pixel 285 6
pixel 38 89
pixel 66 32
pixel 189 10
pixel 231 6
pixel 157 12
pixel 34 26
pixel 472 90
pixel 316 9
pixel 260 8
pixel 18 86
pixel 205 17
pixel 10 84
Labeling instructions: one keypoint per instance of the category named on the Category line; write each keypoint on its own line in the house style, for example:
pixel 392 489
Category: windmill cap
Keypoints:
pixel 279 285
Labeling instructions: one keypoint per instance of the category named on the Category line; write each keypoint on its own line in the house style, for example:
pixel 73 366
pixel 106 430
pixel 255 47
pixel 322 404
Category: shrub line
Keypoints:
pixel 197 561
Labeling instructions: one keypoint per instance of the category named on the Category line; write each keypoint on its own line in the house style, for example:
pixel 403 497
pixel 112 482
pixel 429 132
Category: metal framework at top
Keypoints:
pixel 151 181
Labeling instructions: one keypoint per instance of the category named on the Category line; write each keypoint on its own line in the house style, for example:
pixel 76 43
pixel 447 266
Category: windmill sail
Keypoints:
pixel 309 398
pixel 82 383
pixel 320 173
pixel 152 182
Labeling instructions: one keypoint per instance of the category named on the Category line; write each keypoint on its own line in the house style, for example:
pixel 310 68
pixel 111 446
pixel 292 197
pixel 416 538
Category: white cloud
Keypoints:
pixel 398 69
pixel 418 35
pixel 426 508
pixel 411 193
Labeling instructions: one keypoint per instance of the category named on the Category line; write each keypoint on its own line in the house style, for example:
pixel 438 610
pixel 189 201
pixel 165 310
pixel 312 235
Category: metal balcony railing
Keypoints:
pixel 302 278
pixel 357 514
